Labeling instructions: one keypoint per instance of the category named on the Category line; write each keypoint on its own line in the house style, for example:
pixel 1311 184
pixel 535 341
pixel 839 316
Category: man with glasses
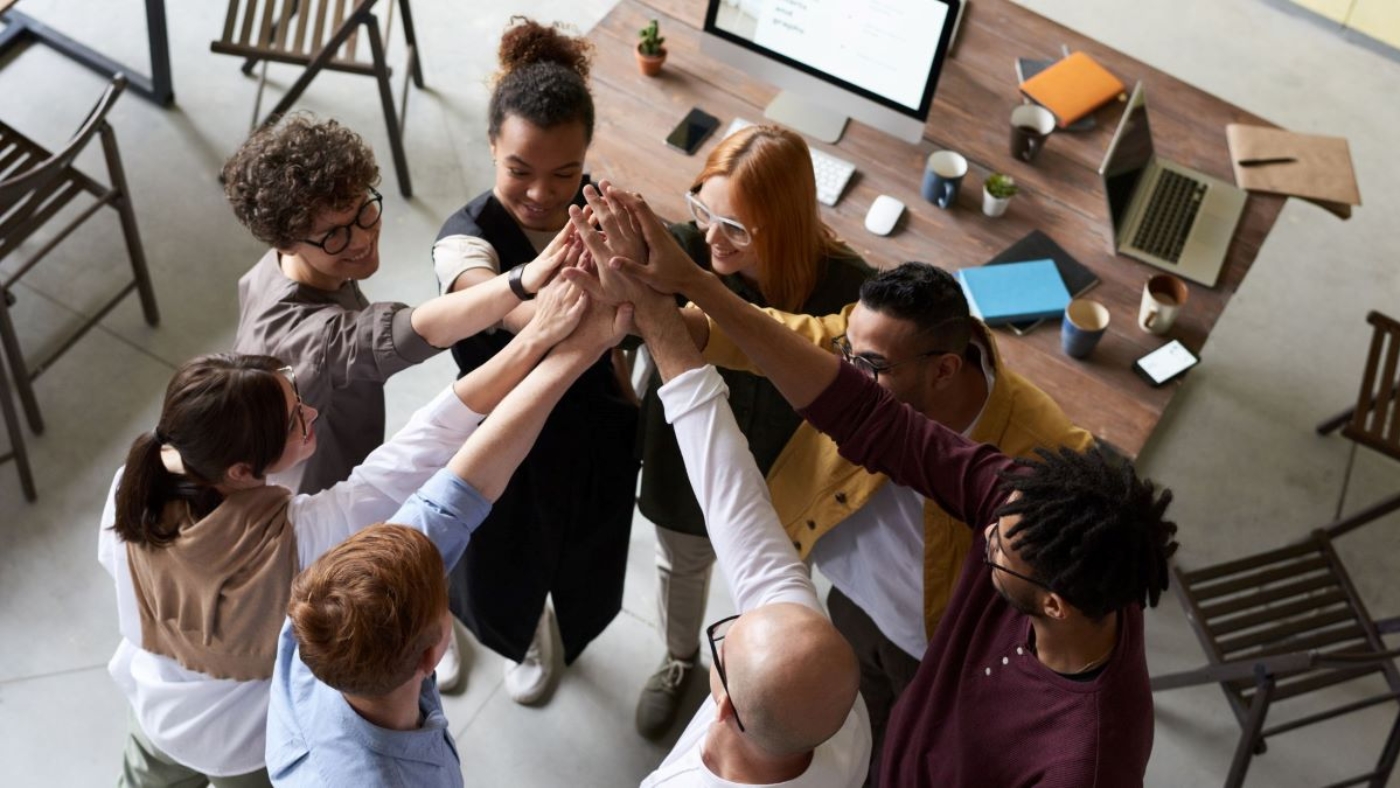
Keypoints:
pixel 306 189
pixel 1036 675
pixel 891 553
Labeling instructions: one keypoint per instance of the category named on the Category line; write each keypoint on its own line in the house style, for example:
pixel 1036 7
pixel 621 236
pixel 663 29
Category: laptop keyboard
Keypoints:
pixel 1170 213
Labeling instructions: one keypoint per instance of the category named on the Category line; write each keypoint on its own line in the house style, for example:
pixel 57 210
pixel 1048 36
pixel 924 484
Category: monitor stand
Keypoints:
pixel 814 120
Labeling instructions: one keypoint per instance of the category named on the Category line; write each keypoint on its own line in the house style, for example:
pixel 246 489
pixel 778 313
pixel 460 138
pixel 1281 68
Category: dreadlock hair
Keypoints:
pixel 1090 528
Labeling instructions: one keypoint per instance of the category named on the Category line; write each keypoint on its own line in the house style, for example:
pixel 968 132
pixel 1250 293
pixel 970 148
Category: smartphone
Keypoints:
pixel 1166 363
pixel 692 131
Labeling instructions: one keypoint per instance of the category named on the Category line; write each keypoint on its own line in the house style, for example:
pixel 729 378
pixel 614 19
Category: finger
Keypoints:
pixel 634 270
pixel 622 320
pixel 584 282
pixel 590 237
pixel 601 210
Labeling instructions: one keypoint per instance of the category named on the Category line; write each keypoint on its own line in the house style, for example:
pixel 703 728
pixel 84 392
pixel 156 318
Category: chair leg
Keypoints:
pixel 24 384
pixel 411 39
pixel 386 97
pixel 1386 764
pixel 17 450
pixel 1332 424
pixel 1249 737
pixel 132 235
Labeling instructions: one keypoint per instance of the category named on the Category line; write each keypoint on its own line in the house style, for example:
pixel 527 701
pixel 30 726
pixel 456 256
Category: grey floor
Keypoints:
pixel 1237 446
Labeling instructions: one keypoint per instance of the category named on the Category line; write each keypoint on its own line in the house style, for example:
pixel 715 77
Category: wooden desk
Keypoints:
pixel 1060 194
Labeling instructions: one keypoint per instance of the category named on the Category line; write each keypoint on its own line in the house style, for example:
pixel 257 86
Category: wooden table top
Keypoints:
pixel 1061 194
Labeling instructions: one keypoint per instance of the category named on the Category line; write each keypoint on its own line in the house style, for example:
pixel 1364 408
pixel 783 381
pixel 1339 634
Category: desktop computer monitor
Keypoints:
pixel 874 60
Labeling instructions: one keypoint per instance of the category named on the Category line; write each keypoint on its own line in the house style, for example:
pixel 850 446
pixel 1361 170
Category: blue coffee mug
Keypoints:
pixel 943 175
pixel 1084 325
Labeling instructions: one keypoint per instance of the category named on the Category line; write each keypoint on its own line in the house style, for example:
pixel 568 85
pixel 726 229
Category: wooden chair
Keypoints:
pixel 34 186
pixel 1287 623
pixel 17 452
pixel 322 35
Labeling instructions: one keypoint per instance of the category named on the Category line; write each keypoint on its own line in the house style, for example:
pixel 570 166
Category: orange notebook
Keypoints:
pixel 1072 88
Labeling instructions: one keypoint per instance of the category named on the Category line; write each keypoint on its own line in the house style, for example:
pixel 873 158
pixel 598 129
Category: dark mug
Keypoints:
pixel 1031 125
pixel 1084 325
pixel 943 175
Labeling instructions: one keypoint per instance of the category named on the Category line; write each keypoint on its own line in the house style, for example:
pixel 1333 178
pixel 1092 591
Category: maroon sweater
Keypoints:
pixel 982 711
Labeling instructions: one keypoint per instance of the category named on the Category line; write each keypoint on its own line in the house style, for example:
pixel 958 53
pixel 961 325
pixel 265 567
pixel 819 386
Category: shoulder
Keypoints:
pixel 467 219
pixel 1036 419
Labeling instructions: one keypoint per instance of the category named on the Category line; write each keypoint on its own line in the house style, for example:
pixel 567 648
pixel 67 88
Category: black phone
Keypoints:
pixel 1167 362
pixel 692 131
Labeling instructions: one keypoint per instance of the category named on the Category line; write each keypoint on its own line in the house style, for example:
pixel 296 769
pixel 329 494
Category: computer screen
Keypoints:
pixel 875 60
pixel 1129 153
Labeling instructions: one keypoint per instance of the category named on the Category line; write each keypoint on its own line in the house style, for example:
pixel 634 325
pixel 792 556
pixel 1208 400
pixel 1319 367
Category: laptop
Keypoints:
pixel 1165 214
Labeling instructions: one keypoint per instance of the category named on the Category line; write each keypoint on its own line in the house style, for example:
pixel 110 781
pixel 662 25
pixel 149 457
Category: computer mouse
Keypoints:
pixel 884 213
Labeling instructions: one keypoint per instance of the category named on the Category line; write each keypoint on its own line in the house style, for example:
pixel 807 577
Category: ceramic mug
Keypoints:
pixel 1162 299
pixel 1084 325
pixel 943 174
pixel 1031 125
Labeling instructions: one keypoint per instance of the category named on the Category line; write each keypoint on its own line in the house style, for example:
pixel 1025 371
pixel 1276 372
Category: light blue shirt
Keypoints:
pixel 314 737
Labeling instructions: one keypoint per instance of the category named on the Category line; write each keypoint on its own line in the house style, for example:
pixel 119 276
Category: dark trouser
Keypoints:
pixel 885 669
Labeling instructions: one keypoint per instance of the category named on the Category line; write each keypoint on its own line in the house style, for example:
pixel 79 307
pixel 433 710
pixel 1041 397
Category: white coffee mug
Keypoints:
pixel 1162 299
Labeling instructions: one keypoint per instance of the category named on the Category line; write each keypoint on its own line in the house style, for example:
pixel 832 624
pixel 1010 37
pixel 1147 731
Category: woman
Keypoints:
pixel 203 549
pixel 755 221
pixel 565 518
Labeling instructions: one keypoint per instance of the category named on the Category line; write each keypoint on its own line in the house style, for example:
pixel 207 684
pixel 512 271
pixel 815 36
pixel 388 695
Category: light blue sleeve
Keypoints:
pixel 448 510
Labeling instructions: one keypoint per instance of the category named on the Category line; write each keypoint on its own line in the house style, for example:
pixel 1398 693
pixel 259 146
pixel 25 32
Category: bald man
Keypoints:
pixel 784 706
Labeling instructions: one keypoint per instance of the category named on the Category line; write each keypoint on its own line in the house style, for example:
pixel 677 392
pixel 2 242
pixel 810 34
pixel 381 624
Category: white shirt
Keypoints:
pixel 457 254
pixel 759 561
pixel 217 726
pixel 876 555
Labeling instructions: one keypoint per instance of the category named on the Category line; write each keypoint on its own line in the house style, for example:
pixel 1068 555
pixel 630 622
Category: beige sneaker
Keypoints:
pixel 451 678
pixel 661 697
pixel 528 680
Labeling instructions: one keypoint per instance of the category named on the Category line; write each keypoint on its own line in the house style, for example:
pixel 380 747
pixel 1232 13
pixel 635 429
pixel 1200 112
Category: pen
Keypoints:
pixel 1258 162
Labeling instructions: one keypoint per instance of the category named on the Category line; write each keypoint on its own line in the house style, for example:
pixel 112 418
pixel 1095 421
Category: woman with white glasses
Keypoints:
pixel 756 222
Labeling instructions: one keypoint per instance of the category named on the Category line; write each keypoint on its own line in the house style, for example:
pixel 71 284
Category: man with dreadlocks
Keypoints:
pixel 1036 675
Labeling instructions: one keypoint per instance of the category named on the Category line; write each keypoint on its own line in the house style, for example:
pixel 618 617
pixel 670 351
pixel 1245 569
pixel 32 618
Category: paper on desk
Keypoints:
pixel 1322 173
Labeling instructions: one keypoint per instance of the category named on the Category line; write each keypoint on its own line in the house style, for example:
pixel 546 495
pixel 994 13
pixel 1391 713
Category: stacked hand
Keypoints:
pixel 563 251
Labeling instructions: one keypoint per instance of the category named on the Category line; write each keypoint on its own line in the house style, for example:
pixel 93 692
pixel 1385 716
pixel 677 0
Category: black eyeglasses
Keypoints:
pixel 337 238
pixel 716 632
pixel 298 415
pixel 870 368
pixel 987 559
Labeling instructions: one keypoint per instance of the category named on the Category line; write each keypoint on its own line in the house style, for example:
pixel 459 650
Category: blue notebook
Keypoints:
pixel 1014 292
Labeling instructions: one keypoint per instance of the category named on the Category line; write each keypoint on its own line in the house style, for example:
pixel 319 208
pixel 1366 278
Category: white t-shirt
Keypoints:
pixel 457 254
pixel 841 762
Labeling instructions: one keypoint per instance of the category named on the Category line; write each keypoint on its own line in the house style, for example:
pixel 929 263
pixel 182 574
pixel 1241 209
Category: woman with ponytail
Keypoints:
pixel 567 514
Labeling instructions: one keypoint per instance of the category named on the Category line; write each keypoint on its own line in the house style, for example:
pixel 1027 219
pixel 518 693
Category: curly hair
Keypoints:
pixel 543 78
pixel 1090 528
pixel 926 296
pixel 283 176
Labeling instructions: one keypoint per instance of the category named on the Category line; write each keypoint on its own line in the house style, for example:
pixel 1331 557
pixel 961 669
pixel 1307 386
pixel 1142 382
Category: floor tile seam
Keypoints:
pixel 52 674
pixel 462 731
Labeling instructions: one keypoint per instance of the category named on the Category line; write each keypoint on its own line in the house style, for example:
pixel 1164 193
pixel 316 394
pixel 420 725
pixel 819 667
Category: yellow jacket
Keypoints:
pixel 813 489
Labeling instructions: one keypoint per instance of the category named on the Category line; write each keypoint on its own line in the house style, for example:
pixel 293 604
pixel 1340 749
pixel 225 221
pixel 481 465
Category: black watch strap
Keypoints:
pixel 517 283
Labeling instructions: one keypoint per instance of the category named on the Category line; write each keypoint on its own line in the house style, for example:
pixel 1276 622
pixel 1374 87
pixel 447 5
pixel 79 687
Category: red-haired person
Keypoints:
pixel 755 223
pixel 353 696
pixel 565 519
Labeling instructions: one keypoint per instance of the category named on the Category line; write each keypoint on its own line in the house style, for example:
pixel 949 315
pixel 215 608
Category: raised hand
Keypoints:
pixel 602 327
pixel 559 308
pixel 555 256
pixel 624 237
pixel 667 268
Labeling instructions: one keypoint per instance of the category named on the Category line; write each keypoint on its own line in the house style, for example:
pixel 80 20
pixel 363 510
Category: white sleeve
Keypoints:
pixel 458 253
pixel 387 477
pixel 752 550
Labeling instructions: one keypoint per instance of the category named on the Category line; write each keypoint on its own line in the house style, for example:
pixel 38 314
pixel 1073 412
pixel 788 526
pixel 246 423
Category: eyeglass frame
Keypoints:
pixel 693 203
pixel 866 366
pixel 299 414
pixel 719 663
pixel 376 199
pixel 987 559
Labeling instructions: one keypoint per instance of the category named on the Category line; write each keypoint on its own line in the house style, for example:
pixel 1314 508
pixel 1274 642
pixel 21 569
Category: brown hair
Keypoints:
pixel 774 194
pixel 219 410
pixel 543 78
pixel 283 176
pixel 365 611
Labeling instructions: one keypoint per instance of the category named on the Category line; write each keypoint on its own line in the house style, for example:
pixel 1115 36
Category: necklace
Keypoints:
pixel 1095 663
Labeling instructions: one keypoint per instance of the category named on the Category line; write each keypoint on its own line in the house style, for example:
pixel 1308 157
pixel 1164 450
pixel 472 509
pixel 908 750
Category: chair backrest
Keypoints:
pixel 14 188
pixel 1376 420
pixel 288 30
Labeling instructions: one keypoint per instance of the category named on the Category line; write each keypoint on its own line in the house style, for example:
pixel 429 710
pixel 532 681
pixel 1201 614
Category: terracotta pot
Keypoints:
pixel 650 64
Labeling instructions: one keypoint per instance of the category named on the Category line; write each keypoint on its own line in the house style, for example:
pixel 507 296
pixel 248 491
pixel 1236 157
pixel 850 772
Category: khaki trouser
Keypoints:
pixel 683 563
pixel 145 766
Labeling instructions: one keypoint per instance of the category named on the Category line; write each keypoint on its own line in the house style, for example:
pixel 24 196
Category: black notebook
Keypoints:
pixel 1039 246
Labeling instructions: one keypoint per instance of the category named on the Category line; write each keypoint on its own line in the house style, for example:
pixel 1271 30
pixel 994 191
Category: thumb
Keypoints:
pixel 622 321
pixel 588 284
pixel 636 271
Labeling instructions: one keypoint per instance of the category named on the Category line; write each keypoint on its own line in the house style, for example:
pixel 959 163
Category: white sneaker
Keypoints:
pixel 528 680
pixel 451 679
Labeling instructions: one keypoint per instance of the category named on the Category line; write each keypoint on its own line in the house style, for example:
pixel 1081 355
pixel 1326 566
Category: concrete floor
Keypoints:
pixel 1237 446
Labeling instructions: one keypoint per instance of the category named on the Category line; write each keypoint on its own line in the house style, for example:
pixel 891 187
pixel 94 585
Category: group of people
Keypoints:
pixel 289 582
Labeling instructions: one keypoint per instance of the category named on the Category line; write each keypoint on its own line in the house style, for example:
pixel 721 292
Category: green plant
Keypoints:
pixel 651 40
pixel 1001 186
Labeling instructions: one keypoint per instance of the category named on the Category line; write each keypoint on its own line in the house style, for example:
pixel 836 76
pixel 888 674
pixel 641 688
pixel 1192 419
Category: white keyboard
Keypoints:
pixel 832 173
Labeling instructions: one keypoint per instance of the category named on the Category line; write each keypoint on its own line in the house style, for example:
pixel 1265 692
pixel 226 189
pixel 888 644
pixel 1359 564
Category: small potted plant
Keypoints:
pixel 650 52
pixel 996 193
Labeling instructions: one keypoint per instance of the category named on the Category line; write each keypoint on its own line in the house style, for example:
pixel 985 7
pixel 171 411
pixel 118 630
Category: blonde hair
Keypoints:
pixel 774 194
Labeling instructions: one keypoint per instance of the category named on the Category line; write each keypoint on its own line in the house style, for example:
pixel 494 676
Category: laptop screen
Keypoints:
pixel 1128 155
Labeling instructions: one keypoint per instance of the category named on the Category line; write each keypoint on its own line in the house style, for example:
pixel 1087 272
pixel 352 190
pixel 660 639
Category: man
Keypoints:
pixel 1036 674
pixel 784 705
pixel 353 696
pixel 892 554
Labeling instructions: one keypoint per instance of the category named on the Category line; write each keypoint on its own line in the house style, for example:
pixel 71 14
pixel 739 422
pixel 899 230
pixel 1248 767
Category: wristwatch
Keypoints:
pixel 517 282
